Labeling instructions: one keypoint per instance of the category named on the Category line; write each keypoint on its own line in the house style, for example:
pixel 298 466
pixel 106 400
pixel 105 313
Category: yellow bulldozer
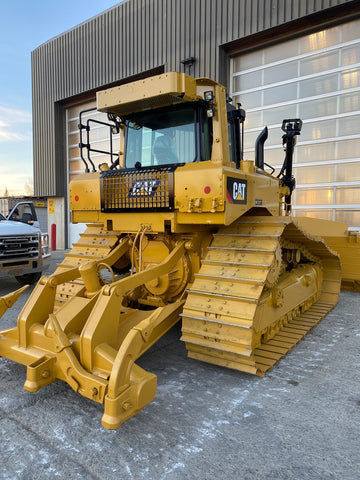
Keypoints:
pixel 179 225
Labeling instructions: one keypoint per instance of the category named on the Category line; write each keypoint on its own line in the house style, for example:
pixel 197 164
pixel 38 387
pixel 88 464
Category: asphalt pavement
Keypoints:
pixel 302 421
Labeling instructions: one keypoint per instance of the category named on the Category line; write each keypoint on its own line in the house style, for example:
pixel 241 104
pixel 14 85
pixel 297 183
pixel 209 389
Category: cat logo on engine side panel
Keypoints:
pixel 236 190
pixel 144 187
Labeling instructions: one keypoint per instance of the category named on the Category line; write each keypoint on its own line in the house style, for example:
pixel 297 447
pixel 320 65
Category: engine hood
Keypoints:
pixel 9 227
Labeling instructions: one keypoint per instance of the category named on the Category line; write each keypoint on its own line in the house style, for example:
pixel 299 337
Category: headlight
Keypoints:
pixel 44 243
pixel 209 96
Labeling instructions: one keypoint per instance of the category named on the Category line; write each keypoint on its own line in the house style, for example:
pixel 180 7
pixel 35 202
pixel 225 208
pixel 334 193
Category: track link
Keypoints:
pixel 94 243
pixel 237 314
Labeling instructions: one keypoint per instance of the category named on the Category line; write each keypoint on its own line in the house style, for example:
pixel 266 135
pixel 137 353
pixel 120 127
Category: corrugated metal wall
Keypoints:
pixel 132 37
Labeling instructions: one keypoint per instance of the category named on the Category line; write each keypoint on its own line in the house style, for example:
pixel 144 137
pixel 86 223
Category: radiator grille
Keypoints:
pixel 17 247
pixel 138 189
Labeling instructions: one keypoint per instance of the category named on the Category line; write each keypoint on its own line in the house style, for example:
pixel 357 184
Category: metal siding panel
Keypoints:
pixel 280 8
pixel 235 17
pixel 171 35
pixel 134 36
pixel 261 15
pixel 211 66
pixel 267 14
pixel 157 39
pixel 185 28
pixel 248 25
pixel 302 7
pixel 150 36
pixel 173 46
pixel 217 22
pixel 177 39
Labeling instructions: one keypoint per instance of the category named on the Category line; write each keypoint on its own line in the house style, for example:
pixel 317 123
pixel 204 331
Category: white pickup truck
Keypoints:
pixel 24 250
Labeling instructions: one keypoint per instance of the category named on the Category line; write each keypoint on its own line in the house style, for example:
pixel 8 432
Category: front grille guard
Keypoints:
pixel 131 189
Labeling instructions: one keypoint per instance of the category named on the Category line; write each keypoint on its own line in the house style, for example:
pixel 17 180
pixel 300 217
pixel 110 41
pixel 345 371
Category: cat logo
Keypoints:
pixel 143 188
pixel 236 191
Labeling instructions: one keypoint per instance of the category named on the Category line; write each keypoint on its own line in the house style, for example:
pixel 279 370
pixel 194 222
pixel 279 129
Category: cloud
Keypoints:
pixel 15 124
pixel 6 136
pixel 14 115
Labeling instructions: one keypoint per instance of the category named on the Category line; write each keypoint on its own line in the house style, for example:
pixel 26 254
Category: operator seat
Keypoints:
pixel 165 151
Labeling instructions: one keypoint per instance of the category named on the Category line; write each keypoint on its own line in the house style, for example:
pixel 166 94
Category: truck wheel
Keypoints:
pixel 28 278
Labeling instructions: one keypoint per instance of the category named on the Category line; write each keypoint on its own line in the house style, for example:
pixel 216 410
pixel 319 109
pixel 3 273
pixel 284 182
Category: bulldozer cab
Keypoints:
pixel 182 127
pixel 174 135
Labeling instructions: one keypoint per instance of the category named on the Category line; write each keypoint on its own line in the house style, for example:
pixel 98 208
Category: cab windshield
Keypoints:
pixel 173 135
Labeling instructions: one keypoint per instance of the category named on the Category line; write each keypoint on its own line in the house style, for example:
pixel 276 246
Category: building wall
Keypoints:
pixel 140 35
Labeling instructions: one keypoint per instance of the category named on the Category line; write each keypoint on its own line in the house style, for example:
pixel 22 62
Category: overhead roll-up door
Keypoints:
pixel 316 78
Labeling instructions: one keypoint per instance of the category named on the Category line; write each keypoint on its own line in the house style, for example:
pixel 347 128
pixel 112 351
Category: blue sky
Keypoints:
pixel 24 25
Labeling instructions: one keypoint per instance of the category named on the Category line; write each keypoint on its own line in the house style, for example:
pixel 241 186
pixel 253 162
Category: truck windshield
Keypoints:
pixel 172 135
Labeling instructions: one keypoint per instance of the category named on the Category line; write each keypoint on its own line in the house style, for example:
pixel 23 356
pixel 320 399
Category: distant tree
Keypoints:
pixel 6 193
pixel 29 187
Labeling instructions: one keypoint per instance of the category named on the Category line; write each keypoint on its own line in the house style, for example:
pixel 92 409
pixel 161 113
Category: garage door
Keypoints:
pixel 99 140
pixel 315 78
